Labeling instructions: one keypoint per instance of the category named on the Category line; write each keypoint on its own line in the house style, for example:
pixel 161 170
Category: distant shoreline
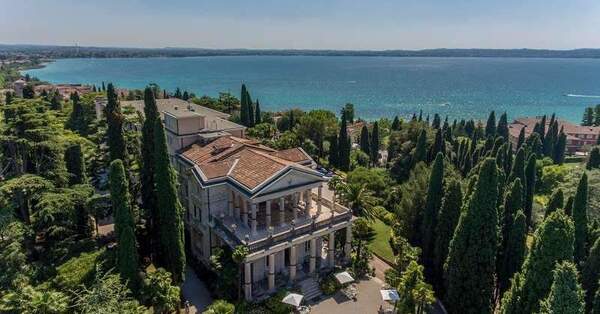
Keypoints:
pixel 60 52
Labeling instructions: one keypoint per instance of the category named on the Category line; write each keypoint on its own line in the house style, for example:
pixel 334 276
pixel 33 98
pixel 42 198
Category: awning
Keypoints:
pixel 293 299
pixel 389 295
pixel 344 277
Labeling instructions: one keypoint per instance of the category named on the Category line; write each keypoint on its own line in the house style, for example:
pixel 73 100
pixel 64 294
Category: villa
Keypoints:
pixel 236 191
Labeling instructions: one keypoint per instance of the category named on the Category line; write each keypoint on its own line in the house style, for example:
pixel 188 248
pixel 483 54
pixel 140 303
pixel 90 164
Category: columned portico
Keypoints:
pixel 248 281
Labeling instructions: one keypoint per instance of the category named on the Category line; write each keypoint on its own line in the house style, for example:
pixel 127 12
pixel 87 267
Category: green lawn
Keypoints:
pixel 380 245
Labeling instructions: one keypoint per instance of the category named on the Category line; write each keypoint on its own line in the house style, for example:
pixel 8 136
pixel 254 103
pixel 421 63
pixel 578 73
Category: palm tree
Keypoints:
pixel 359 199
pixel 239 254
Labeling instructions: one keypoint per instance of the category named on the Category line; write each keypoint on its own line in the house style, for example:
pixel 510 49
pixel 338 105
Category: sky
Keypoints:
pixel 304 24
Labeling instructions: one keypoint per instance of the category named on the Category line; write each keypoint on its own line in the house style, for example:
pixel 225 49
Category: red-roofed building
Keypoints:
pixel 579 138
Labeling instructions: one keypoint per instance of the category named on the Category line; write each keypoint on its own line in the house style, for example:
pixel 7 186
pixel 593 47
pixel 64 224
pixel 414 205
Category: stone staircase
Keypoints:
pixel 310 289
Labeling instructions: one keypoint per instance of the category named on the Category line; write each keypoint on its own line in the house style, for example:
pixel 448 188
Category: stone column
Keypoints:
pixel 230 204
pixel 281 211
pixel 244 206
pixel 248 281
pixel 293 262
pixel 331 249
pixel 236 205
pixel 319 197
pixel 313 256
pixel 253 218
pixel 268 214
pixel 271 274
pixel 348 244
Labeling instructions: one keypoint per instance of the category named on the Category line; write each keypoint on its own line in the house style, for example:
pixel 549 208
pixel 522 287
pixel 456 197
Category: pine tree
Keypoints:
pixel 593 161
pixel 364 143
pixel 588 117
pixel 490 127
pixel 513 253
pixel 502 129
pixel 556 202
pixel 470 268
pixel 566 294
pixel 375 143
pixel 257 114
pixel 433 203
pixel 127 258
pixel 420 153
pixel 580 219
pixel 148 187
pixel 448 219
pixel 552 243
pixel 115 138
pixel 344 146
pixel 396 124
pixel 170 229
pixel 75 164
pixel 521 139
pixel 591 273
pixel 530 171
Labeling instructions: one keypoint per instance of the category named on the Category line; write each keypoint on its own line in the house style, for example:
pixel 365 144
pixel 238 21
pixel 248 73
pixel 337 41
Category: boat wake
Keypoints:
pixel 582 96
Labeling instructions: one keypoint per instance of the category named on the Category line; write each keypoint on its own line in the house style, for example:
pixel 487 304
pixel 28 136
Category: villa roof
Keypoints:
pixel 244 160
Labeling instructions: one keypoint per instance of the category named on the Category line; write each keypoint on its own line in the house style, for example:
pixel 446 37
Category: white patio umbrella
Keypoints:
pixel 343 277
pixel 293 299
pixel 389 295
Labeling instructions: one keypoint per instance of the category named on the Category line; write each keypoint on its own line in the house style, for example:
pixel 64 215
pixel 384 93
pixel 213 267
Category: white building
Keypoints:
pixel 239 192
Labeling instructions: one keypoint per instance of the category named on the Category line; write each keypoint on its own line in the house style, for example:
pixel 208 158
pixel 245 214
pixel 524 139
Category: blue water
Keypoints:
pixel 378 86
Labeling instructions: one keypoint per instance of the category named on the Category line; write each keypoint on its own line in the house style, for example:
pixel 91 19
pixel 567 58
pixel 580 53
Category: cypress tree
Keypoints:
pixel 115 138
pixel 521 139
pixel 552 243
pixel 420 153
pixel 566 294
pixel 148 187
pixel 170 230
pixel 530 179
pixel 333 151
pixel 470 268
pixel 448 219
pixel 127 258
pixel 396 124
pixel 556 202
pixel 559 149
pixel 490 127
pixel 593 161
pixel 257 114
pixel 75 164
pixel 244 111
pixel 375 143
pixel 437 147
pixel 502 129
pixel 344 145
pixel 591 274
pixel 433 203
pixel 518 168
pixel 513 253
pixel 365 146
pixel 580 219
pixel 569 206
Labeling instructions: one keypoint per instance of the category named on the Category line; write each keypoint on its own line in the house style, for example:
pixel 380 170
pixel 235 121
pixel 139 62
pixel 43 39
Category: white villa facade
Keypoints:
pixel 238 192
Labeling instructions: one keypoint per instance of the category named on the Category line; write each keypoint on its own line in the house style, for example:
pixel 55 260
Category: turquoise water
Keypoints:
pixel 378 86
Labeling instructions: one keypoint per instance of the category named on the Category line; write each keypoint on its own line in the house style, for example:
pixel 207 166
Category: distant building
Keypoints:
pixel 18 86
pixel 185 122
pixel 579 138
pixel 65 90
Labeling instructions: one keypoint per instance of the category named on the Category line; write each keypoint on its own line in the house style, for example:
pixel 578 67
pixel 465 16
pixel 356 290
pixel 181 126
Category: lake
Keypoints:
pixel 377 86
